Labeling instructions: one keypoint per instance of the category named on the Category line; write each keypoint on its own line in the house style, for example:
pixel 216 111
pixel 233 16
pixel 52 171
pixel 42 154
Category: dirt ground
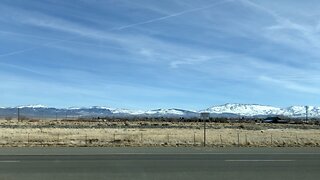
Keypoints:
pixel 79 133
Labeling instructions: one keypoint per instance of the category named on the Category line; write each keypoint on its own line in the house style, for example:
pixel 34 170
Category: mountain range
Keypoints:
pixel 225 110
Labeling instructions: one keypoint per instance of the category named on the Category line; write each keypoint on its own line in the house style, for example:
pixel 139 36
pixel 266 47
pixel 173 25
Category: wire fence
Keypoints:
pixel 46 137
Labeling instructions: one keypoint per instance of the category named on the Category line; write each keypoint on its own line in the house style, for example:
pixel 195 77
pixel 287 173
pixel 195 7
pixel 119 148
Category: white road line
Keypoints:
pixel 259 160
pixel 203 154
pixel 9 161
pixel 138 153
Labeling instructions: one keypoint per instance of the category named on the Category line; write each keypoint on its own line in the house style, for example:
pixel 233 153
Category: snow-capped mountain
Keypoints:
pixel 226 110
pixel 171 113
pixel 253 110
pixel 94 111
pixel 298 111
pixel 33 106
pixel 245 109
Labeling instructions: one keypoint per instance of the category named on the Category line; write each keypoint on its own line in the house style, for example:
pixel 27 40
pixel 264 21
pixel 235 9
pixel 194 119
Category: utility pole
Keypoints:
pixel 204 133
pixel 18 114
pixel 204 116
pixel 307 111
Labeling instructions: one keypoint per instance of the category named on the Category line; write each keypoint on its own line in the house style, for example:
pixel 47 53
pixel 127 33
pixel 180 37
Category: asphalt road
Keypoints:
pixel 160 163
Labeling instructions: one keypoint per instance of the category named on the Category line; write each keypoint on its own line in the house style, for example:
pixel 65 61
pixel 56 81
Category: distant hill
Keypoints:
pixel 226 110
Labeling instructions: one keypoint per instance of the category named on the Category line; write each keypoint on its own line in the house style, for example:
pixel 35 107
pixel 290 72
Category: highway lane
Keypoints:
pixel 160 163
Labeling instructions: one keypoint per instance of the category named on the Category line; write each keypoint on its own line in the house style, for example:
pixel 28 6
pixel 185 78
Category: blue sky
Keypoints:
pixel 146 54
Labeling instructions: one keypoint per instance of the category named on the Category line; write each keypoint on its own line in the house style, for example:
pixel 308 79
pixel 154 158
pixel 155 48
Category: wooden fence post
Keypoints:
pixel 86 139
pixel 246 139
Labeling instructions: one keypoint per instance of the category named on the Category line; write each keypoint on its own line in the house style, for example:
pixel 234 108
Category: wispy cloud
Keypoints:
pixel 288 32
pixel 174 15
pixel 161 51
pixel 292 85
pixel 195 60
pixel 62 25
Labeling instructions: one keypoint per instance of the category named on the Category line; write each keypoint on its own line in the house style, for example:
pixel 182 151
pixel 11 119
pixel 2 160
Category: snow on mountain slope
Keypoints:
pixel 314 111
pixel 117 110
pixel 263 110
pixel 33 106
pixel 126 111
pixel 298 111
pixel 295 111
pixel 165 111
pixel 226 110
pixel 245 109
pixel 171 113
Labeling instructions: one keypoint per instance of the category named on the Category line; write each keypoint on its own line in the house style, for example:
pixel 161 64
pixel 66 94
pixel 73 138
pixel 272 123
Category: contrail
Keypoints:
pixel 173 15
pixel 27 35
pixel 122 27
pixel 53 41
pixel 18 52
pixel 34 48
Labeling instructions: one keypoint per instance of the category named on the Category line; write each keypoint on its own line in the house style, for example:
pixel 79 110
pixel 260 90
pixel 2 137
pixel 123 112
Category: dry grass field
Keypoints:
pixel 79 133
